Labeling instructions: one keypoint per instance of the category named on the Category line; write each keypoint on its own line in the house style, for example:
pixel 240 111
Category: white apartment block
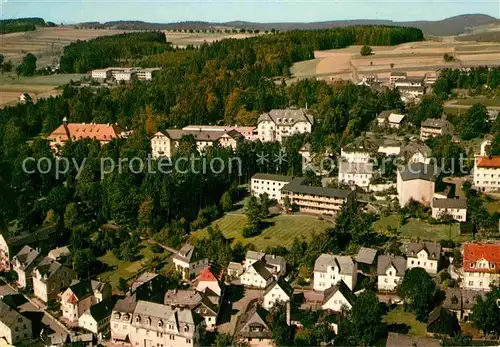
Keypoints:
pixel 434 127
pixel 486 170
pixel 101 74
pixel 409 82
pixel 456 208
pixel 355 174
pixel 397 76
pixel 481 263
pixel 153 324
pixel 390 272
pixel 425 255
pixel 261 183
pixel 278 124
pixel 330 269
pixel 357 154
pixel 147 74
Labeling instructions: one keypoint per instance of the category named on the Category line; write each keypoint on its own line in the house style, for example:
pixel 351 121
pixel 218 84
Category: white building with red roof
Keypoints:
pixel 103 133
pixel 211 278
pixel 487 170
pixel 481 266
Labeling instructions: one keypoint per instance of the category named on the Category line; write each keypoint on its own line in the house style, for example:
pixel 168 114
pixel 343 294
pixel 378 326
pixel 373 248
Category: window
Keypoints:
pixel 471 283
pixel 188 341
pixel 171 337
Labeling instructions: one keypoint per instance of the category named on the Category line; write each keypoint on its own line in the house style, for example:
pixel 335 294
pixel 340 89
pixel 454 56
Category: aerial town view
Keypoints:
pixel 247 173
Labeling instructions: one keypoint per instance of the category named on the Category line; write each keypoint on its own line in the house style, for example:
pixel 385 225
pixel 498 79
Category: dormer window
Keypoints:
pixel 186 328
pixel 492 266
pixel 472 265
pixel 160 324
pixel 137 319
pixel 148 321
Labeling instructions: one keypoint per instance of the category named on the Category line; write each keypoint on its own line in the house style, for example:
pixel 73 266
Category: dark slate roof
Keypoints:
pixel 9 315
pixel 188 253
pixel 296 186
pixel 449 203
pixel 27 256
pixel 48 266
pixel 254 316
pixel 287 116
pixel 412 148
pixel 287 288
pixel 103 309
pixel 433 249
pixel 344 290
pixel 127 304
pixel 434 123
pixel 418 171
pixel 261 269
pixel 385 261
pixel 366 255
pixel 86 288
pixel 272 177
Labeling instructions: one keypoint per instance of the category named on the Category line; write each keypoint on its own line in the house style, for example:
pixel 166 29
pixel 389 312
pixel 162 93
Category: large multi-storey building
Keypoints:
pixel 261 183
pixel 103 133
pixel 248 132
pixel 164 144
pixel 15 328
pixel 435 127
pixel 79 297
pixel 486 170
pixel 481 266
pixel 316 200
pixel 330 269
pixel 50 278
pixel 278 124
pixel 416 181
pixel 124 73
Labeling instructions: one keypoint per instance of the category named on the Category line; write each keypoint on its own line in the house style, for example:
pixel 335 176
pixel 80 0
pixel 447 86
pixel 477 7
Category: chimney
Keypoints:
pixel 288 315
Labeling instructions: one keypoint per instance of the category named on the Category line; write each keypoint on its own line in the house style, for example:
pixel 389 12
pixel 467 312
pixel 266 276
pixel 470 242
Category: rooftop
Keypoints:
pixel 475 252
pixel 433 249
pixel 450 203
pixel 284 285
pixel 418 171
pixel 100 132
pixel 435 123
pixel 366 255
pixel 287 117
pixel 344 263
pixel 26 256
pixel 272 177
pixel 355 168
pixel 386 261
pixel 342 288
pixel 261 269
pixel 296 186
pixel 489 162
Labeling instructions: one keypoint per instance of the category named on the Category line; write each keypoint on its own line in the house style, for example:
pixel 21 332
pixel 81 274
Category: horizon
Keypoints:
pixel 279 11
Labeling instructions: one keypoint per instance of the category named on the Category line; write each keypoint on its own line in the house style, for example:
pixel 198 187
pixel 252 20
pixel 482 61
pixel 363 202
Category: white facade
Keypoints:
pixel 337 302
pixel 331 269
pixel 389 280
pixel 124 75
pixel 389 150
pixel 487 173
pixel 421 260
pixel 359 174
pixel 275 295
pixel 481 263
pixel 435 127
pixel 86 321
pixel 101 74
pixel 270 184
pixel 253 278
pixel 278 124
pixel 409 82
pixel 161 146
pixel 457 212
pixel 14 327
pixel 355 156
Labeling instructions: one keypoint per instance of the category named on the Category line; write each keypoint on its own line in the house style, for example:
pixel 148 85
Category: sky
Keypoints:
pixel 166 11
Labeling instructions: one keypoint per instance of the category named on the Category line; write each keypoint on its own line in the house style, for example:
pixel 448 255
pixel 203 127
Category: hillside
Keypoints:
pixel 22 24
pixel 446 27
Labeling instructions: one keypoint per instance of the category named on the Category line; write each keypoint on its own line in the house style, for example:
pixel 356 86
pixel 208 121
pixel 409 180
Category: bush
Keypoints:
pixel 156 248
pixel 249 232
pixel 366 50
pixel 448 58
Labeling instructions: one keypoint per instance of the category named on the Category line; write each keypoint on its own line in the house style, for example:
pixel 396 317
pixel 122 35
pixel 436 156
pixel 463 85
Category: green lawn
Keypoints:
pixel 49 80
pixel 418 229
pixel 484 101
pixel 282 231
pixel 493 206
pixel 399 316
pixel 122 268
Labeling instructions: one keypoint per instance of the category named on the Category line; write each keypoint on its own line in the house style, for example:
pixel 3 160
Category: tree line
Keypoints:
pixel 473 78
pixel 115 50
pixel 22 24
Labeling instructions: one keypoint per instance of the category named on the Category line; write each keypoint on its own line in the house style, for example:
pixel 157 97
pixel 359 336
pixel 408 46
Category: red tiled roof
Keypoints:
pixel 210 273
pixel 474 252
pixel 77 131
pixel 489 162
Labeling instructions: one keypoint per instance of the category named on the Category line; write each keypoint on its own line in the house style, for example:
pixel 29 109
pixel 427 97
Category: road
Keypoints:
pixel 170 249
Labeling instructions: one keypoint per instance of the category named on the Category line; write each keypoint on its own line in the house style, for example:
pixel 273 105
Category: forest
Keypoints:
pixel 474 78
pixel 116 50
pixel 21 24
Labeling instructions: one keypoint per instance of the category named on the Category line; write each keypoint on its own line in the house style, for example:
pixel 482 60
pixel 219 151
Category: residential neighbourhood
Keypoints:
pixel 250 184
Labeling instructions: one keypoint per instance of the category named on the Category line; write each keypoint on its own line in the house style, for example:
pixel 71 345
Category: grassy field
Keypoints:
pixel 398 316
pixel 122 268
pixel 483 101
pixel 13 86
pixel 418 229
pixel 281 232
pixel 493 206
pixel 416 58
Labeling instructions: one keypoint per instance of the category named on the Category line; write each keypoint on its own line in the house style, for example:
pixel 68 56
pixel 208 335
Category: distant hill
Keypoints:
pixel 22 24
pixel 446 27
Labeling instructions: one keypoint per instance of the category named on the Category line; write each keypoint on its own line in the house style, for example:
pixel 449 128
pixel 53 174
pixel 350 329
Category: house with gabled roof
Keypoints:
pixel 15 328
pixel 96 318
pixel 51 277
pixel 481 266
pixel 390 271
pixel 59 253
pixel 252 328
pixel 277 291
pixel 211 278
pixel 275 264
pixel 366 258
pixel 416 153
pixel 337 297
pixel 330 269
pixel 461 301
pixel 435 127
pixel 80 296
pixel 189 261
pixel 257 275
pixel 426 255
pixel 23 264
pixel 206 304
pixel 390 118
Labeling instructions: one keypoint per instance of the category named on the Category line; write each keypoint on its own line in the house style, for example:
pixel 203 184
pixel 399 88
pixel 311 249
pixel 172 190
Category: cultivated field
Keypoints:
pixel 416 58
pixel 12 86
pixel 282 231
